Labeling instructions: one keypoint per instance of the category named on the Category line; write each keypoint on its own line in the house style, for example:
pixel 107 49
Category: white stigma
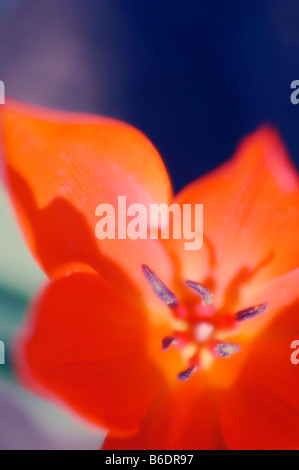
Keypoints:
pixel 203 331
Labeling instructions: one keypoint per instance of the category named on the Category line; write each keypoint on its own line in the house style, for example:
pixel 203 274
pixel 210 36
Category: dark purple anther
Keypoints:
pixel 226 349
pixel 203 291
pixel 159 288
pixel 186 374
pixel 167 342
pixel 251 312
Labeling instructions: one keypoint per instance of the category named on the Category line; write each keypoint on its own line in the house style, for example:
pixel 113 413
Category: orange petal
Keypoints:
pixel 60 167
pixel 279 293
pixel 182 418
pixel 251 222
pixel 87 346
pixel 261 409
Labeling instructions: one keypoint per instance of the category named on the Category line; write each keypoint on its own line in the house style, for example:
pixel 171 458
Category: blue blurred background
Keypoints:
pixel 194 76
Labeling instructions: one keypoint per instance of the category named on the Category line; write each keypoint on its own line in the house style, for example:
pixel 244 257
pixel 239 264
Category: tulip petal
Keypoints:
pixel 260 410
pixel 86 346
pixel 60 167
pixel 181 418
pixel 279 293
pixel 251 222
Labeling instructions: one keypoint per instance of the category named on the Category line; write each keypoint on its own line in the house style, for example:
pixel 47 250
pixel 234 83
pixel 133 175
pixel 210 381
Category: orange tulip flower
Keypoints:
pixel 165 348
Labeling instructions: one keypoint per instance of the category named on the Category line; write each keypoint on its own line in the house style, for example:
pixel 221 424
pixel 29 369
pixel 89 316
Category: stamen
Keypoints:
pixel 167 342
pixel 251 312
pixel 159 288
pixel 203 291
pixel 226 349
pixel 186 374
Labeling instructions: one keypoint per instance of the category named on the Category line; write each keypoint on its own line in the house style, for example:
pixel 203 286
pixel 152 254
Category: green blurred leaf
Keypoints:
pixel 18 270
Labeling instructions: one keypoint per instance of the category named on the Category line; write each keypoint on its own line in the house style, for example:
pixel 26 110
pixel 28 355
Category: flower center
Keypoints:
pixel 200 328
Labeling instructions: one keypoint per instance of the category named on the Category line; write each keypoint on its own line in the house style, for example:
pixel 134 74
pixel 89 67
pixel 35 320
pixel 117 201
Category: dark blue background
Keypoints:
pixel 205 73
